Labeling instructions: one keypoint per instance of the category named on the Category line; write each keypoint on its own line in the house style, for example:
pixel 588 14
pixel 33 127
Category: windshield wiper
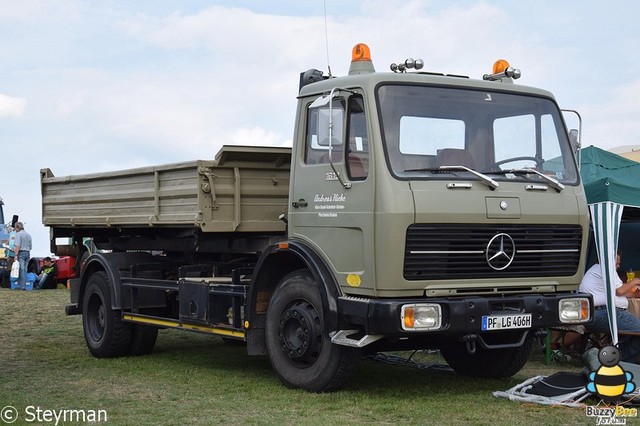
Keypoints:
pixel 483 178
pixel 423 169
pixel 492 184
pixel 552 182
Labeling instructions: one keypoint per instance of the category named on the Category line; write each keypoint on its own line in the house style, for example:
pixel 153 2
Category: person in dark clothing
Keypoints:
pixel 47 277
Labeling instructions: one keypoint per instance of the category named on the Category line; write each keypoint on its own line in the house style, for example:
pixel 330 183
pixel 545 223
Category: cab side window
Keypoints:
pixel 358 142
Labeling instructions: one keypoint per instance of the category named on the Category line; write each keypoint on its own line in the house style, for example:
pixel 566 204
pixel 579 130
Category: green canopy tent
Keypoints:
pixel 611 183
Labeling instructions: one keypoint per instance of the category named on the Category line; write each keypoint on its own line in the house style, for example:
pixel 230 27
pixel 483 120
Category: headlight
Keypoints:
pixel 574 310
pixel 419 317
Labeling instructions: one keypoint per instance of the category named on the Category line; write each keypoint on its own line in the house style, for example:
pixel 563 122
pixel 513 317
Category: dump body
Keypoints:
pixel 242 190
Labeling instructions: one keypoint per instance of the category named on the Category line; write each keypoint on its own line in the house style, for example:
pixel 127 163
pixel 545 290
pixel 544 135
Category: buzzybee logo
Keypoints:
pixel 610 381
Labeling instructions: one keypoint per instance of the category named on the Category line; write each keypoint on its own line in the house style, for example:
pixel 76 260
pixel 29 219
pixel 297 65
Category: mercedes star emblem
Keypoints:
pixel 500 251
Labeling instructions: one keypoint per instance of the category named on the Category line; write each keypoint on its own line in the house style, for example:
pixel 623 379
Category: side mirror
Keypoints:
pixel 330 127
pixel 573 117
pixel 574 140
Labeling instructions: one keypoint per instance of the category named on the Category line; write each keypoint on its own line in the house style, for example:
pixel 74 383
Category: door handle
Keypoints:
pixel 300 203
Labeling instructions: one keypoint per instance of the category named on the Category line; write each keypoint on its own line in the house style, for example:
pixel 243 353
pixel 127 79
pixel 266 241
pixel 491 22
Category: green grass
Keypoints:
pixel 199 380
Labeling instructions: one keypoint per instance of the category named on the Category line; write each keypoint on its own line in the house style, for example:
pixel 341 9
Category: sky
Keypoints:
pixel 90 86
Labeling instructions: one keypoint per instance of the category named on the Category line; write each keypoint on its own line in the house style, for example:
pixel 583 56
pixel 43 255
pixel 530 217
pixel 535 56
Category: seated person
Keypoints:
pixel 47 277
pixel 593 282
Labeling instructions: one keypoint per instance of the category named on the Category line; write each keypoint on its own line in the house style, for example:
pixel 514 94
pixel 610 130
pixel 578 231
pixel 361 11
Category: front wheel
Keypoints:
pixel 487 363
pixel 298 346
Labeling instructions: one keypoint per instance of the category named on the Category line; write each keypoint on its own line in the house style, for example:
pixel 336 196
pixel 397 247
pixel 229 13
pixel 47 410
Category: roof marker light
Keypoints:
pixel 502 69
pixel 500 65
pixel 360 52
pixel 361 60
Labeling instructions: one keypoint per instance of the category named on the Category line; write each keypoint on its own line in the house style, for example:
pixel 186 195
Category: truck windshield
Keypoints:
pixel 428 128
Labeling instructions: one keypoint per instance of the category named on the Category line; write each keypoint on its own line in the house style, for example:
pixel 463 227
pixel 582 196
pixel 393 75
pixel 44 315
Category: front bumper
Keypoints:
pixel 459 315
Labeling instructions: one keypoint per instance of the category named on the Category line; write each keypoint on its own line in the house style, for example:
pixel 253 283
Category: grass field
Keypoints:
pixel 194 379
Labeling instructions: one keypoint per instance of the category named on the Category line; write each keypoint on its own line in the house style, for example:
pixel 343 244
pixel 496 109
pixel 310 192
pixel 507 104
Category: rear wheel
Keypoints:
pixel 298 346
pixel 143 339
pixel 488 363
pixel 105 332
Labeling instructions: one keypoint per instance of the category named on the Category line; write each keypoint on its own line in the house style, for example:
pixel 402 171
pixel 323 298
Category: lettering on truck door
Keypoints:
pixel 338 219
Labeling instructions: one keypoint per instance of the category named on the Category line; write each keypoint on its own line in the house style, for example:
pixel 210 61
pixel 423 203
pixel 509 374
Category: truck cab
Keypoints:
pixel 448 210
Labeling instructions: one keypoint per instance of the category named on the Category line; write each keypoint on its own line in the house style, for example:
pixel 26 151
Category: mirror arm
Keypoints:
pixel 578 140
pixel 345 184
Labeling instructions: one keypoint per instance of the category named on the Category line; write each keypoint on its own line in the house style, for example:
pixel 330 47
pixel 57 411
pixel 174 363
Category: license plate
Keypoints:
pixel 505 322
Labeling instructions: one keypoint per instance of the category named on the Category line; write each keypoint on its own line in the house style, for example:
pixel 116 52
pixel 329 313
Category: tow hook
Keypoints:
pixel 470 341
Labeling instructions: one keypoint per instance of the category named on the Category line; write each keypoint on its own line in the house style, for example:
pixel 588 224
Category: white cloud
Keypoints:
pixel 614 121
pixel 257 136
pixel 165 114
pixel 11 107
pixel 233 39
pixel 30 10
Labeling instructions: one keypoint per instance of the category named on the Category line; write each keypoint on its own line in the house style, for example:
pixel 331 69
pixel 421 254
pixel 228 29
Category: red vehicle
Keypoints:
pixel 66 267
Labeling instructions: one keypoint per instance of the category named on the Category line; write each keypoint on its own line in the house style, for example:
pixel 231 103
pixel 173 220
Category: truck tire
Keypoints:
pixel 487 363
pixel 106 334
pixel 298 346
pixel 143 339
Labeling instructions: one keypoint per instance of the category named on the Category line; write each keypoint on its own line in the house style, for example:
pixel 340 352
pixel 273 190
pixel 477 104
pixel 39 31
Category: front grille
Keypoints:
pixel 449 251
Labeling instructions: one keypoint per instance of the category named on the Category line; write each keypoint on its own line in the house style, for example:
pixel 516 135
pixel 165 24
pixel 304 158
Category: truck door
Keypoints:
pixel 332 192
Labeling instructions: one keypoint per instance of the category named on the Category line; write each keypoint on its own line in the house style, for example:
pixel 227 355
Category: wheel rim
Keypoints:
pixel 96 317
pixel 300 333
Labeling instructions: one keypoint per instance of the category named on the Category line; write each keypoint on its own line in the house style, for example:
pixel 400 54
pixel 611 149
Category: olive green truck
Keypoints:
pixel 415 210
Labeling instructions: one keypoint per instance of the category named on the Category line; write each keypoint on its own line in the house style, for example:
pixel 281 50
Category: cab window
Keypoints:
pixel 358 142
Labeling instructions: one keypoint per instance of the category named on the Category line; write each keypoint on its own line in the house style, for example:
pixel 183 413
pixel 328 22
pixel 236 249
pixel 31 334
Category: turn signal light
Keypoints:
pixel 574 310
pixel 409 318
pixel 421 317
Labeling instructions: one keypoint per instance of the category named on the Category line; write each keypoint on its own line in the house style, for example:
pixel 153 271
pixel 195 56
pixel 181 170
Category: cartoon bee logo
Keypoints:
pixel 610 381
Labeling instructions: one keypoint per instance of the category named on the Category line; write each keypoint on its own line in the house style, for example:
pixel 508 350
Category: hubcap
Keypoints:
pixel 96 317
pixel 300 332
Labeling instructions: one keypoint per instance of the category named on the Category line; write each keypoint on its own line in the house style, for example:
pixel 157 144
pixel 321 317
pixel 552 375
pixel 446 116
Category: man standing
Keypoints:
pixel 23 252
